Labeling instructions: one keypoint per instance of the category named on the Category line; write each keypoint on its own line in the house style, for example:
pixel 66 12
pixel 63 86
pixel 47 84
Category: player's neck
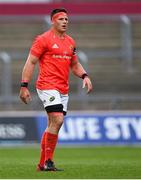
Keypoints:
pixel 58 33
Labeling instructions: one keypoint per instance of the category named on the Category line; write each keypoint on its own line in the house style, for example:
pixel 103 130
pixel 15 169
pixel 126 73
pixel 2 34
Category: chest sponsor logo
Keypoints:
pixel 61 56
pixel 55 46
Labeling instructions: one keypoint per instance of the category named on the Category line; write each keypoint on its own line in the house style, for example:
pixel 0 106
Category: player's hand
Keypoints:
pixel 87 83
pixel 25 95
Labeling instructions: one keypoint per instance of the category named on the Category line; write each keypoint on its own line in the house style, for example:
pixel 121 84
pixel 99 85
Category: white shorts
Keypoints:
pixel 53 100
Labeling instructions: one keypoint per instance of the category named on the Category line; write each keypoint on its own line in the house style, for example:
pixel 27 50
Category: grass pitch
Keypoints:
pixel 78 163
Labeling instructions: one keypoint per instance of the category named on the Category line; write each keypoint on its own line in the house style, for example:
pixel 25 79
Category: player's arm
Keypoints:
pixel 79 71
pixel 26 77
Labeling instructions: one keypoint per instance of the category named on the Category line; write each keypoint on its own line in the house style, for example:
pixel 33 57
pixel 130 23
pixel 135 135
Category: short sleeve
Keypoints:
pixel 38 46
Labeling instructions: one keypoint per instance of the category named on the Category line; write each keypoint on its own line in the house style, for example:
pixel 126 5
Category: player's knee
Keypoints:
pixel 56 124
pixel 56 118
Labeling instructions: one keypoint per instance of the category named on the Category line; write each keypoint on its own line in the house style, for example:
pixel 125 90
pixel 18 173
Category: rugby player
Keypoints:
pixel 55 52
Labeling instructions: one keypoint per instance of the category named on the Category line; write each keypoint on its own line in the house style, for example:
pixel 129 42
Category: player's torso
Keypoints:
pixel 55 62
pixel 58 50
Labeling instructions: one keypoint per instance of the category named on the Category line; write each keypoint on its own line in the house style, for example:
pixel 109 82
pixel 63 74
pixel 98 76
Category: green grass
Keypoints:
pixel 78 163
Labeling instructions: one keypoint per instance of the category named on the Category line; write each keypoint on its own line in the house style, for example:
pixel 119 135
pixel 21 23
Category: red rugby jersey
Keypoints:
pixel 55 55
